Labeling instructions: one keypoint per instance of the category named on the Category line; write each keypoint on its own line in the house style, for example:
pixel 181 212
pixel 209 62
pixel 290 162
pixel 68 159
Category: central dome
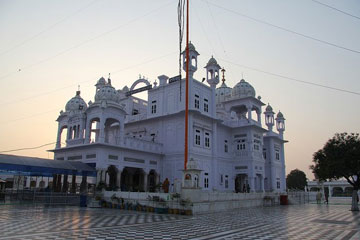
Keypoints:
pixel 107 93
pixel 76 104
pixel 243 89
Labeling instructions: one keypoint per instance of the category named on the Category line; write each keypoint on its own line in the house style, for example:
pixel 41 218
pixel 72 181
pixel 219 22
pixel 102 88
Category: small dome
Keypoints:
pixel 212 61
pixel 243 89
pixel 191 48
pixel 76 104
pixel 222 91
pixel 107 93
pixel 279 115
pixel 269 108
pixel 101 82
pixel 125 89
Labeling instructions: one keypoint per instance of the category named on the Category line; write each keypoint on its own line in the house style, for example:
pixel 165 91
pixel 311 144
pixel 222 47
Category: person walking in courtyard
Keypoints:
pixel 326 197
pixel 165 185
pixel 318 197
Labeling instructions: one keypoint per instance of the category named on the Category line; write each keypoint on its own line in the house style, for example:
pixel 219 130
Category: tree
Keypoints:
pixel 340 158
pixel 296 179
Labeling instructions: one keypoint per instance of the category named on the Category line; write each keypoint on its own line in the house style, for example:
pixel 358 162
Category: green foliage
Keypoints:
pixel 296 179
pixel 339 158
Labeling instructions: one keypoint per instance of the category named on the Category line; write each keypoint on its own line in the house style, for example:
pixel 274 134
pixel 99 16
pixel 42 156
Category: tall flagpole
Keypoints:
pixel 187 87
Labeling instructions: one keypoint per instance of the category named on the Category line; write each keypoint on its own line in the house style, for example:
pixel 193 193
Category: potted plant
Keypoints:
pixel 186 204
pixel 101 185
pixel 115 201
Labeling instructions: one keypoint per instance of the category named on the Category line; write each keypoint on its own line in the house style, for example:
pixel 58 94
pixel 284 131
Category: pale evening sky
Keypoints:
pixel 48 48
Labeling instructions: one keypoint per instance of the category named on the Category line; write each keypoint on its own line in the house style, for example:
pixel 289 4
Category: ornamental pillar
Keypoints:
pixel 87 131
pixel 58 138
pixel 102 130
pixel 249 113
pixel 65 183
pixel 118 179
pixel 73 183
pixel 145 181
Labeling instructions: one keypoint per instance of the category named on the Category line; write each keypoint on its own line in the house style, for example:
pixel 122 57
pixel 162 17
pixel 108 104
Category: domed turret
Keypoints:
pixel 193 54
pixel 212 62
pixel 107 93
pixel 212 72
pixel 101 82
pixel 280 123
pixel 269 117
pixel 243 89
pixel 76 104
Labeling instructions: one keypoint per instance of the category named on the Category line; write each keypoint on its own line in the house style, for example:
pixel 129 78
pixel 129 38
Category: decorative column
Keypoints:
pixel 87 131
pixel 118 179
pixel 28 180
pixel 249 112
pixel 272 180
pixel 102 130
pixel 252 183
pixel 69 133
pixel 145 181
pixel 54 184
pixel 107 178
pixel 58 185
pixel 58 138
pixel 65 183
pixel 262 183
pixel 98 176
pixel 103 175
pixel 259 116
pixel 73 183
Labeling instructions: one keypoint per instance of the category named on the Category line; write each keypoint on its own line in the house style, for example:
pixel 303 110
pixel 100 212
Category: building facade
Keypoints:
pixel 136 144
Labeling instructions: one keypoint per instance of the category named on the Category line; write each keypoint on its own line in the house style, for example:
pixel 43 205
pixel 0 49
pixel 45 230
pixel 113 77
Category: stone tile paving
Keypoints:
pixel 281 222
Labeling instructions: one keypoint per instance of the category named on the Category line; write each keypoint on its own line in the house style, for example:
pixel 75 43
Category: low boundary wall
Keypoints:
pixel 198 201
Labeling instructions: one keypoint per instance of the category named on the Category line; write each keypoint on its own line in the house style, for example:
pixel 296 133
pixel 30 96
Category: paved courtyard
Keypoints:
pixel 282 222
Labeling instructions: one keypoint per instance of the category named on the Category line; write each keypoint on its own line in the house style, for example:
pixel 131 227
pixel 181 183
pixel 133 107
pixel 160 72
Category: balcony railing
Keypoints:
pixel 143 145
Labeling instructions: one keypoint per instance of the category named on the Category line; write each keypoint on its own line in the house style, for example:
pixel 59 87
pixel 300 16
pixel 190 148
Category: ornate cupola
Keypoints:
pixel 76 104
pixel 280 123
pixel 269 117
pixel 193 59
pixel 212 72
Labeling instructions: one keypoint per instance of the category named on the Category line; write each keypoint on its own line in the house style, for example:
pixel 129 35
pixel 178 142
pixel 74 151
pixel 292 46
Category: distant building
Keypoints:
pixel 135 144
pixel 339 188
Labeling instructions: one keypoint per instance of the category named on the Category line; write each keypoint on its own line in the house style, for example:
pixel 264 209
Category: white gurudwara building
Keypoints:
pixel 136 144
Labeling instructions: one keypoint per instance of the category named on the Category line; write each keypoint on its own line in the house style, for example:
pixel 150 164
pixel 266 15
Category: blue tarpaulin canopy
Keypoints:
pixel 31 166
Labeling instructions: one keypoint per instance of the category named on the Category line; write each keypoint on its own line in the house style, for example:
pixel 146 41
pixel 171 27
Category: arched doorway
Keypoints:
pixel 112 171
pixel 137 180
pixel 240 183
pixel 94 130
pixel 112 131
pixel 132 179
pixel 152 181
pixel 125 180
